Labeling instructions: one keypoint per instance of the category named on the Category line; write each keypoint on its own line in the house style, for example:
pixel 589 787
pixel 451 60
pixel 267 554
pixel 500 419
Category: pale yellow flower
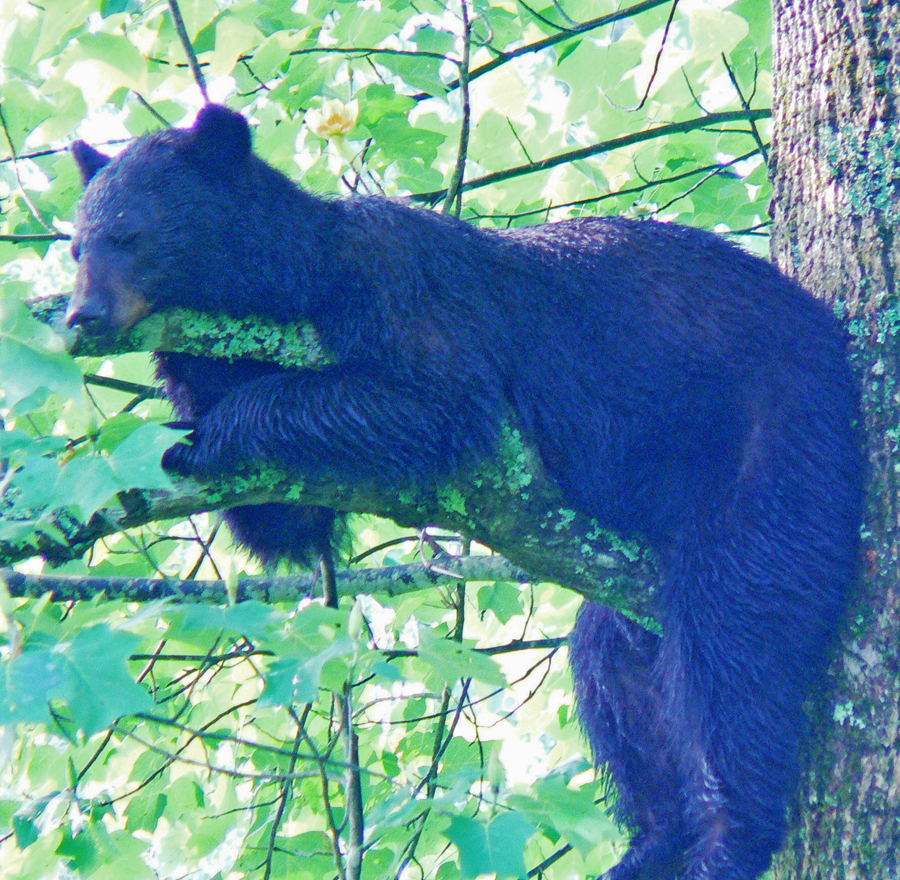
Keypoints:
pixel 333 118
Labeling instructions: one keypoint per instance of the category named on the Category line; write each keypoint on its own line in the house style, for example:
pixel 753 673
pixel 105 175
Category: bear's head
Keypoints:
pixel 185 217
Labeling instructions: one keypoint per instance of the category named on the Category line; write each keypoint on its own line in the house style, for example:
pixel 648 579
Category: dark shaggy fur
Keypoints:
pixel 676 388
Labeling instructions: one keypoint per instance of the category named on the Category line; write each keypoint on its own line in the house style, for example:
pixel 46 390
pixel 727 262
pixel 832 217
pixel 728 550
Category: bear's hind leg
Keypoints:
pixel 748 621
pixel 620 706
pixel 290 532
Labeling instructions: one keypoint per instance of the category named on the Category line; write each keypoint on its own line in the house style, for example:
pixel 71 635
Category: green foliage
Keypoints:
pixel 164 741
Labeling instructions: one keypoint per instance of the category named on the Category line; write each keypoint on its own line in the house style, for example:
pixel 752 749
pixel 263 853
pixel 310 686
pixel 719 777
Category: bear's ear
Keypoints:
pixel 221 133
pixel 89 160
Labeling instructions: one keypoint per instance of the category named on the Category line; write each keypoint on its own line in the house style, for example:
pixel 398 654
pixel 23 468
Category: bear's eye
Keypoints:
pixel 124 240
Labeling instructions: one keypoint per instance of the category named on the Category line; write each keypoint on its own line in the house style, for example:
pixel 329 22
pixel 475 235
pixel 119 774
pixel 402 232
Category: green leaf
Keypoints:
pixel 234 38
pixel 100 687
pixel 26 831
pixel 290 680
pixel 273 55
pixel 35 484
pixel 252 619
pixel 60 17
pixel 432 39
pixel 497 846
pixel 32 357
pixel 378 100
pixel 451 661
pixel 85 483
pixel 116 429
pixel 420 72
pixel 572 813
pixel 89 673
pixel 145 809
pixel 715 31
pixel 28 684
pixel 136 461
pixel 503 598
pixel 101 64
pixel 399 139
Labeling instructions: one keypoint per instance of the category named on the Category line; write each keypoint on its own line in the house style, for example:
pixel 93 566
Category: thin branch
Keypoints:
pixel 685 193
pixel 557 5
pixel 603 147
pixel 519 140
pixel 538 870
pixel 708 170
pixel 188 48
pixel 151 109
pixel 366 52
pixel 42 154
pixel 353 800
pixel 546 21
pixel 334 833
pixel 545 43
pixel 170 757
pixel 36 236
pixel 145 392
pixel 746 106
pixel 429 782
pixel 501 57
pixel 35 211
pixel 454 191
pixel 653 75
pixel 394 580
pixel 441 742
pixel 285 794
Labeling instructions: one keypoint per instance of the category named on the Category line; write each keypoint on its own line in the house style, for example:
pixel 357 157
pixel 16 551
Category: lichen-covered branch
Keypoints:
pixel 508 503
pixel 191 332
pixel 392 580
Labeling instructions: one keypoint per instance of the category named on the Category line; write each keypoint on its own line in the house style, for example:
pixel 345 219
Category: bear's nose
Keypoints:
pixel 90 316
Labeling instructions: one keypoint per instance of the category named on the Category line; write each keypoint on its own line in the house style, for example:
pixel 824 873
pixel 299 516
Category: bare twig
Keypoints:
pixel 454 191
pixel 353 801
pixel 627 140
pixel 152 110
pixel 321 761
pixel 746 106
pixel 188 48
pixel 396 579
pixel 36 213
pixel 144 392
pixel 707 170
pixel 37 236
pixel 441 742
pixel 285 793
pixel 539 45
pixel 652 79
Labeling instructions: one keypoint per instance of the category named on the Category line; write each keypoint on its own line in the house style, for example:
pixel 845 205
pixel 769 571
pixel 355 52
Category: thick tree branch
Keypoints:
pixel 508 503
pixel 194 333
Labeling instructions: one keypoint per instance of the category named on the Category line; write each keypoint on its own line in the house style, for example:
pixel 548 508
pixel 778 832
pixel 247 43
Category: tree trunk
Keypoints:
pixel 836 179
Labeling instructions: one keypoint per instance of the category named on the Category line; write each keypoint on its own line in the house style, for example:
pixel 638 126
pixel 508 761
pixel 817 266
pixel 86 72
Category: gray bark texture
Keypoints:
pixel 836 207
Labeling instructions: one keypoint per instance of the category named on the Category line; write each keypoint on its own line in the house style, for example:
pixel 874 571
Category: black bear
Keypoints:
pixel 676 388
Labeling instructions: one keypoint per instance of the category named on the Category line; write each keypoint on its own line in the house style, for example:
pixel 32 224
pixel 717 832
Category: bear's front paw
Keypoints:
pixel 177 459
pixel 205 452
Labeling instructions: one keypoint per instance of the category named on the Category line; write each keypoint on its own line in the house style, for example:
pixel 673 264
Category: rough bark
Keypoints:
pixel 836 179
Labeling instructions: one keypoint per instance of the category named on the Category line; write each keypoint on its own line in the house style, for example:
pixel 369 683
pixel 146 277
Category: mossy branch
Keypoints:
pixel 508 503
pixel 219 336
